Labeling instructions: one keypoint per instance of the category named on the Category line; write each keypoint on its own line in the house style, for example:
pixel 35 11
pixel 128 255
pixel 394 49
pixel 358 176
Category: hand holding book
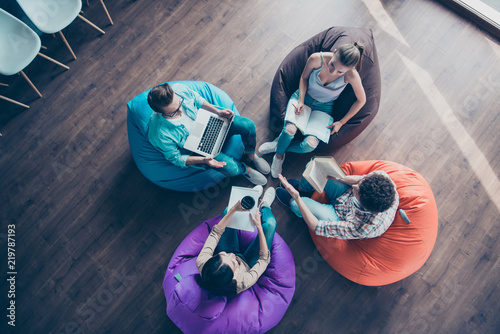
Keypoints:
pixel 348 179
pixel 334 127
pixel 298 108
pixel 309 122
pixel 320 170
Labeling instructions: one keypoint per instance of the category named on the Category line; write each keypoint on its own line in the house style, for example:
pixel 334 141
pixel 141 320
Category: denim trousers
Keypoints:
pixel 321 211
pixel 285 139
pixel 244 127
pixel 229 241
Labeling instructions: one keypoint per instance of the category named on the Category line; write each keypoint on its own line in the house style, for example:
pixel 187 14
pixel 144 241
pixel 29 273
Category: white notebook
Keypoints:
pixel 310 122
pixel 241 220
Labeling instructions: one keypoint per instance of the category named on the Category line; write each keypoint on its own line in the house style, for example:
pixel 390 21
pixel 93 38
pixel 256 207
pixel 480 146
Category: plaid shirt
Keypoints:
pixel 355 222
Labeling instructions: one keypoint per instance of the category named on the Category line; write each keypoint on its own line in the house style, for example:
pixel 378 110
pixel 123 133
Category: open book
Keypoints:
pixel 319 168
pixel 310 122
pixel 241 220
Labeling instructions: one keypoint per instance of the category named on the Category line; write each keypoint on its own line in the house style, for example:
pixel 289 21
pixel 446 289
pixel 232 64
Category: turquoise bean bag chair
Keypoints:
pixel 152 163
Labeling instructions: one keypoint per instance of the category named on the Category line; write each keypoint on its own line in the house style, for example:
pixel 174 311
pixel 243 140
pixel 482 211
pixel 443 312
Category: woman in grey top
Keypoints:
pixel 230 271
pixel 325 76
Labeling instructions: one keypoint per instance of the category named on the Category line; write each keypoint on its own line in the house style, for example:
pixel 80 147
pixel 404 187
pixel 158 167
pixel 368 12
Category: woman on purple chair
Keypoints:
pixel 230 272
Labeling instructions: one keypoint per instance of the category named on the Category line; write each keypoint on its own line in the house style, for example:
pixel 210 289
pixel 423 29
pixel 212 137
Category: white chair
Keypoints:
pixel 51 16
pixel 19 45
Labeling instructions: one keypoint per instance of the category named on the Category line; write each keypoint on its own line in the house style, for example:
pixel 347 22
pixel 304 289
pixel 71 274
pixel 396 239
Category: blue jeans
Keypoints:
pixel 229 241
pixel 285 139
pixel 244 127
pixel 321 211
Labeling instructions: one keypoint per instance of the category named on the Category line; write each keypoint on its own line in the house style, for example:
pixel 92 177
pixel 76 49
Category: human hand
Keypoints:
pixel 214 163
pixel 227 113
pixel 237 207
pixel 299 107
pixel 256 219
pixel 335 127
pixel 288 187
pixel 352 179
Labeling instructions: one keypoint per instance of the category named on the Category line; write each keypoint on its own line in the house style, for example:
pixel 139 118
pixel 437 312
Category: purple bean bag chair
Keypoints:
pixel 286 82
pixel 256 310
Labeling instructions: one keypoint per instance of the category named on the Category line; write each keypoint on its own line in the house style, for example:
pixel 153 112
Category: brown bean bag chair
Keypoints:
pixel 403 248
pixel 286 82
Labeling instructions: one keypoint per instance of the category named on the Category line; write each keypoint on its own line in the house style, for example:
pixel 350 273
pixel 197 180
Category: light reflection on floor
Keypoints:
pixel 477 161
pixel 384 21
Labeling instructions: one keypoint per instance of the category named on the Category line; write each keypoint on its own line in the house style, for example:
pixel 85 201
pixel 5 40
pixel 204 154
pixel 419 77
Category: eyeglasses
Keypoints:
pixel 176 110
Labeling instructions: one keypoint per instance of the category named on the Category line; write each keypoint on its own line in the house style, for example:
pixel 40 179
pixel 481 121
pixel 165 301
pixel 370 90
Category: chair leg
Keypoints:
pixel 91 24
pixel 106 10
pixel 13 101
pixel 53 60
pixel 67 44
pixel 30 83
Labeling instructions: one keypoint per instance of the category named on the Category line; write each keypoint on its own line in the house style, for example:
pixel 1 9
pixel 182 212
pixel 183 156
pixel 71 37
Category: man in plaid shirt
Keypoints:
pixel 363 206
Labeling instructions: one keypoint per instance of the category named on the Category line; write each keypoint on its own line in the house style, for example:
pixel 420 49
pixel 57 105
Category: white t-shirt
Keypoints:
pixel 185 120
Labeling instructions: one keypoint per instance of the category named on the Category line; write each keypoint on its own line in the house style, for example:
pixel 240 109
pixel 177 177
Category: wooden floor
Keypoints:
pixel 94 237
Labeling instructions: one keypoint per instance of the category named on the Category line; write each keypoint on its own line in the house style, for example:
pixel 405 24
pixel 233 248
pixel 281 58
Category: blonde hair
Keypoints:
pixel 351 55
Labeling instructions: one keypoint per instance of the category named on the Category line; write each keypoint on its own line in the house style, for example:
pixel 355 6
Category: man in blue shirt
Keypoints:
pixel 175 108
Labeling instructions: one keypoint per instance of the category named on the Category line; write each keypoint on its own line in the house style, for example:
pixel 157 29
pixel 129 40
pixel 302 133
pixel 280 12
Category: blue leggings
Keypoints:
pixel 229 241
pixel 244 127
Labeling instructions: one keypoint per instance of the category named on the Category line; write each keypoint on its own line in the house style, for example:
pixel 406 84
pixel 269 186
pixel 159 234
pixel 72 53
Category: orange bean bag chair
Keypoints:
pixel 403 248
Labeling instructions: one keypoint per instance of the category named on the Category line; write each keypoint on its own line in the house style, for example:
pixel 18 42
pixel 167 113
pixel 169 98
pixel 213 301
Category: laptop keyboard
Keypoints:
pixel 210 135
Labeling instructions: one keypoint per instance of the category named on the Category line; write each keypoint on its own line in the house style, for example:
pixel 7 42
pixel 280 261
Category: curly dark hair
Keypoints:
pixel 218 277
pixel 160 96
pixel 376 193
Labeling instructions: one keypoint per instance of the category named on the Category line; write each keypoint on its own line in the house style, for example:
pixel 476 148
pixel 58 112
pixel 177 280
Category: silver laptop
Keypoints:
pixel 208 133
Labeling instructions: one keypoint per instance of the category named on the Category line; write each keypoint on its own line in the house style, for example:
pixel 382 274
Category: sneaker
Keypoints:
pixel 255 177
pixel 261 165
pixel 269 147
pixel 283 196
pixel 260 189
pixel 277 166
pixel 268 197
